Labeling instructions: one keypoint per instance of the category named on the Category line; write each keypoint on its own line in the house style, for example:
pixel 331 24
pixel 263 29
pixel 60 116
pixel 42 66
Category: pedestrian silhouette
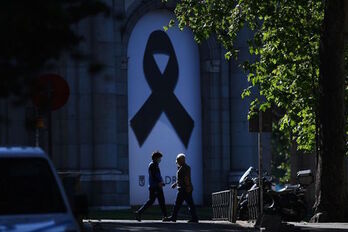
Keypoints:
pixel 155 186
pixel 185 188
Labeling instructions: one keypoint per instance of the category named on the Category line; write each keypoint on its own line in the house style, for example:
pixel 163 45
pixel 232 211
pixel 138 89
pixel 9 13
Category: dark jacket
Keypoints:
pixel 154 175
pixel 184 172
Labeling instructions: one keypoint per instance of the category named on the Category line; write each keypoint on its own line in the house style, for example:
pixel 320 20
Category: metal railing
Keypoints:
pixel 224 204
pixel 253 204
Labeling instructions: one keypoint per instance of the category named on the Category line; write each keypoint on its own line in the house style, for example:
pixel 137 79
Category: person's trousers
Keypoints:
pixel 182 196
pixel 153 194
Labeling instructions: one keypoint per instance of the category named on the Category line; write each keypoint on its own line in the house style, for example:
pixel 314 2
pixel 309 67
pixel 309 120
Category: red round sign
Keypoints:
pixel 50 92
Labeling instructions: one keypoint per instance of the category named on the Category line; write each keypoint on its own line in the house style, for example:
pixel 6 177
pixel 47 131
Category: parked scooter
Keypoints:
pixel 288 202
pixel 248 181
pixel 245 183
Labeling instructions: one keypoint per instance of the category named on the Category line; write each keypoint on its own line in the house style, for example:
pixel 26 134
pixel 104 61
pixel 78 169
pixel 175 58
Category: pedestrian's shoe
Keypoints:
pixel 192 221
pixel 137 216
pixel 169 219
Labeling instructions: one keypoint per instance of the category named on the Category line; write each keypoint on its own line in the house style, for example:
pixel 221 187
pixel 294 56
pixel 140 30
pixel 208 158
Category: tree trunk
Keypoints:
pixel 330 180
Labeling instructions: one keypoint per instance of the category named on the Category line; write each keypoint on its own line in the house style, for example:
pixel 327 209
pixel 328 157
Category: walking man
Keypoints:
pixel 155 186
pixel 185 188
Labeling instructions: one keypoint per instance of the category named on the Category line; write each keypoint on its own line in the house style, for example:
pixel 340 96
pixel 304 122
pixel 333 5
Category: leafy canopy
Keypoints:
pixel 35 32
pixel 285 42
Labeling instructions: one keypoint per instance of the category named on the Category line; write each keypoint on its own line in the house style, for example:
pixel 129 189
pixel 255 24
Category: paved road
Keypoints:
pixel 203 226
pixel 317 227
pixel 158 226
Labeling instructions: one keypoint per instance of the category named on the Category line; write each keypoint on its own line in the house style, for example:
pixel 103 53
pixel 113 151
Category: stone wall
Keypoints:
pixel 90 133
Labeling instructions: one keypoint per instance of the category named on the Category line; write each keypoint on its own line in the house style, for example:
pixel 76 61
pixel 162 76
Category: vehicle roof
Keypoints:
pixel 6 152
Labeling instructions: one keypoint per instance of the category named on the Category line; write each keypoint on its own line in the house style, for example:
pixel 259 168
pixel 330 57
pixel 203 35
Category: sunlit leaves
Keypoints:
pixel 286 44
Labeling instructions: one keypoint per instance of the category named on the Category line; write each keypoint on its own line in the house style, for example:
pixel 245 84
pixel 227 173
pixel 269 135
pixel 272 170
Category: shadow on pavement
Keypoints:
pixel 203 226
pixel 299 228
pixel 168 227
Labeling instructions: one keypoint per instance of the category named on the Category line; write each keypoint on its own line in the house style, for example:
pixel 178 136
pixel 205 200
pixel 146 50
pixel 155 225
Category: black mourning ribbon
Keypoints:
pixel 162 98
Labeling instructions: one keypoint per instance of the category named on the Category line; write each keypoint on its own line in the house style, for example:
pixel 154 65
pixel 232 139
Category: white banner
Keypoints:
pixel 173 94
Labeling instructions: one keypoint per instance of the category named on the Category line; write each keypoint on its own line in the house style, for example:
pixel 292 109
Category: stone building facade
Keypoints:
pixel 90 133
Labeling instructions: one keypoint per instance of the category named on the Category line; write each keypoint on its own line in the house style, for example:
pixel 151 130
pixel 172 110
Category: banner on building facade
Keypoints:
pixel 164 104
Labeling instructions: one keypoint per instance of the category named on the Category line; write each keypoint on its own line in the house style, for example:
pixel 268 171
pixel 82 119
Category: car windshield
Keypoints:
pixel 28 186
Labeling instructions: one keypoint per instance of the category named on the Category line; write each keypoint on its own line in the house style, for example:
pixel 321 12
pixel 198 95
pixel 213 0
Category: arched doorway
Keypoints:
pixel 168 131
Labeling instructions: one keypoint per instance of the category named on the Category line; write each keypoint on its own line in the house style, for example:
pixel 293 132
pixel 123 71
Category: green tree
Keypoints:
pixel 34 32
pixel 291 73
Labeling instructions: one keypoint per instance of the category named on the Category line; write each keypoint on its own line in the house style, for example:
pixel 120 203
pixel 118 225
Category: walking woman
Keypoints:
pixel 155 186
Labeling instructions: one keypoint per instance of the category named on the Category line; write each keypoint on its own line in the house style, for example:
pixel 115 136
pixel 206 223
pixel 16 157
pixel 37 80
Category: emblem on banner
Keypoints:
pixel 141 181
pixel 162 98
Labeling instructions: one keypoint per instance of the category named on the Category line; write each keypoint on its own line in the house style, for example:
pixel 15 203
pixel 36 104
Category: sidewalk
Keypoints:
pixel 318 227
pixel 159 226
pixel 203 226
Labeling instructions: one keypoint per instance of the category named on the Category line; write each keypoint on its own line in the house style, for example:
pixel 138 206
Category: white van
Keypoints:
pixel 32 197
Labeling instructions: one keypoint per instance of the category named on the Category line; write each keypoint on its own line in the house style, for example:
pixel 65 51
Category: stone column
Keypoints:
pixel 243 143
pixel 104 163
pixel 88 136
pixel 211 126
